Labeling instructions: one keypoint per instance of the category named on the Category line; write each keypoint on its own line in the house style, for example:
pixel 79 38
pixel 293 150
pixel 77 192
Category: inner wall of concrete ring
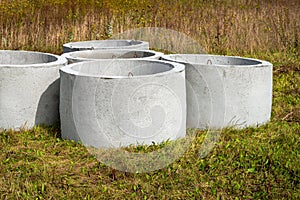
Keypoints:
pixel 112 104
pixel 105 44
pixel 29 88
pixel 91 55
pixel 224 91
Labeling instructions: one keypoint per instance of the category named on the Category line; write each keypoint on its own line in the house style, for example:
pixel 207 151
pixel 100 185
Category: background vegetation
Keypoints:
pixel 220 26
pixel 254 163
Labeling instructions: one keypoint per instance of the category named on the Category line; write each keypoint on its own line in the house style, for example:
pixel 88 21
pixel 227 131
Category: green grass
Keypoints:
pixel 253 163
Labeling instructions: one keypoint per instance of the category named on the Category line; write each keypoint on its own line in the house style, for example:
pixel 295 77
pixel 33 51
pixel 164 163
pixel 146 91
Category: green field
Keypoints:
pixel 253 163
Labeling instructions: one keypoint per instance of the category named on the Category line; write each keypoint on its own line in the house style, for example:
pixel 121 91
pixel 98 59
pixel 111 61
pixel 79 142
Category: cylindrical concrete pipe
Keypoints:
pixel 29 88
pixel 105 44
pixel 226 91
pixel 113 103
pixel 91 55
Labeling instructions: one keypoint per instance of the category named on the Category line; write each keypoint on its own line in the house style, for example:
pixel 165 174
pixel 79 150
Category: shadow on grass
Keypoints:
pixel 53 130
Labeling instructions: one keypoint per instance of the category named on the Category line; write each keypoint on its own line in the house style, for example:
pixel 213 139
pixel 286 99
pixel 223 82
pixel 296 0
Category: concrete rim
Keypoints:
pixel 175 68
pixel 260 63
pixel 59 60
pixel 72 55
pixel 83 44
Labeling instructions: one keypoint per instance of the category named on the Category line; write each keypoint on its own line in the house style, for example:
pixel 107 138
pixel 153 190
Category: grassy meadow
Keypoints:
pixel 253 163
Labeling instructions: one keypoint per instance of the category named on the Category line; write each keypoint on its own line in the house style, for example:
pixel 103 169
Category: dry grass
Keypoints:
pixel 220 26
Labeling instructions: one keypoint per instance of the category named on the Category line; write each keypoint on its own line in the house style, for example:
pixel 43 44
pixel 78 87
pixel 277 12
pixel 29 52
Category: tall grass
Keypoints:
pixel 220 26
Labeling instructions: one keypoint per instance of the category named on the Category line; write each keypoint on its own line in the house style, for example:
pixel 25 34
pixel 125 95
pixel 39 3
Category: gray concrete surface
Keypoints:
pixel 112 103
pixel 91 55
pixel 29 88
pixel 226 91
pixel 105 44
